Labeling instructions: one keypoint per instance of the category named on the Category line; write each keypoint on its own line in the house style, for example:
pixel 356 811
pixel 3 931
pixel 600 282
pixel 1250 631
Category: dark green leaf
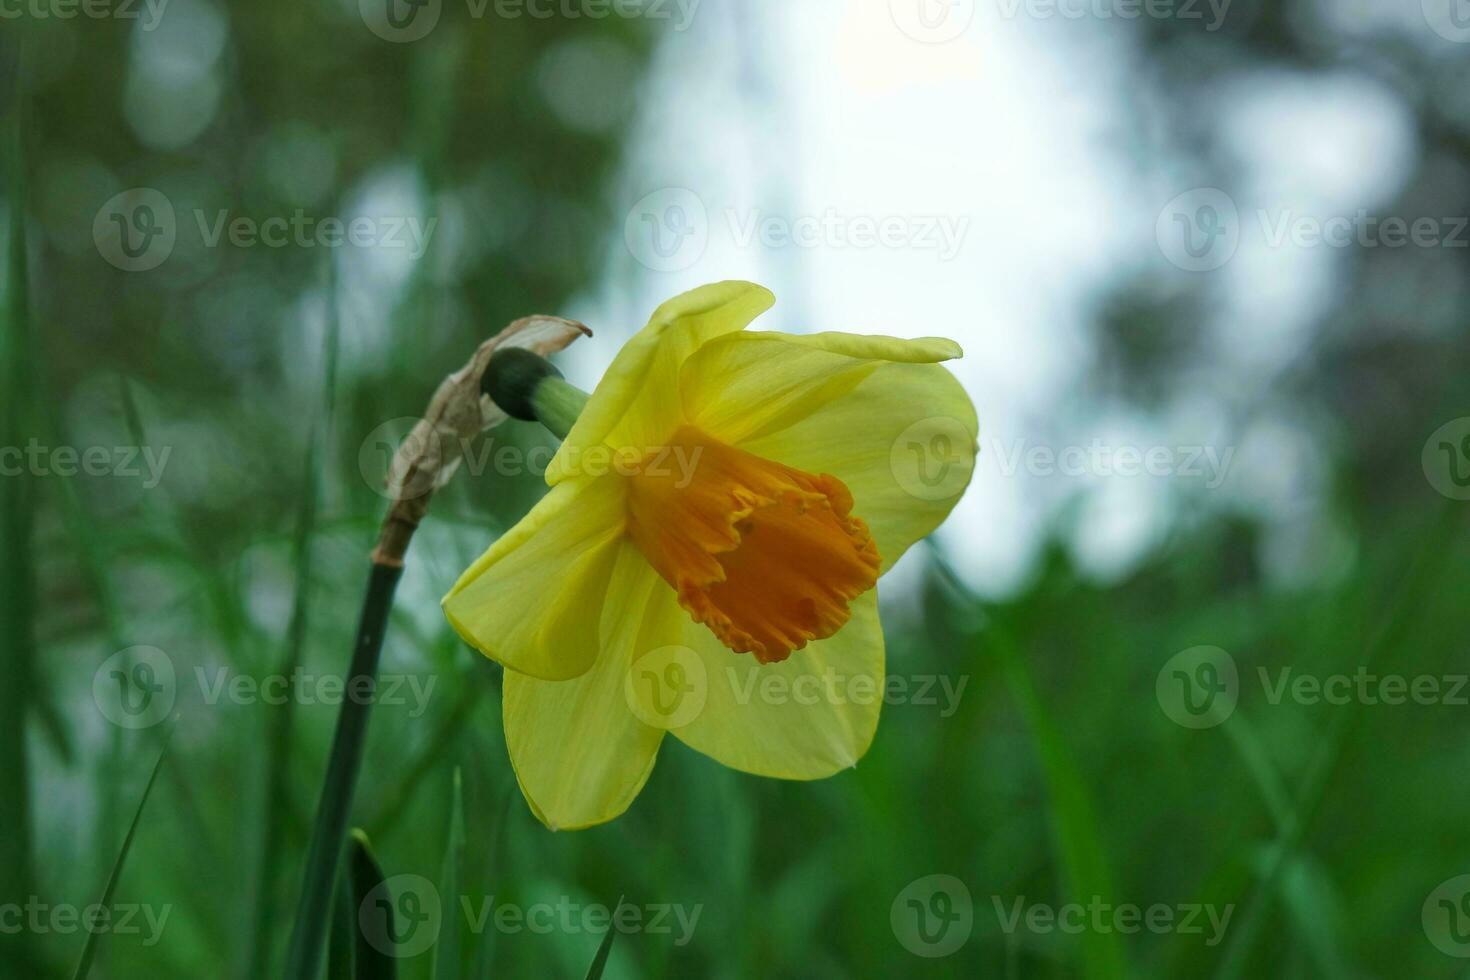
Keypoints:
pixel 599 962
pixel 89 948
pixel 447 951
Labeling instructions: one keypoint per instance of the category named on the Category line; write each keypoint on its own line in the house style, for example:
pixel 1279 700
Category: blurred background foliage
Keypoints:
pixel 271 373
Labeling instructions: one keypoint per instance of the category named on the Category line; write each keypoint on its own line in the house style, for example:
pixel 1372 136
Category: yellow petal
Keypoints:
pixel 810 716
pixel 898 431
pixel 580 753
pixel 533 600
pixel 636 403
pixel 745 385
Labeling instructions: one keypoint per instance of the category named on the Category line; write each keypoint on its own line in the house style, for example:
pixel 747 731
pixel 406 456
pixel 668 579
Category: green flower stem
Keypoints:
pixel 527 386
pixel 558 404
pixel 330 829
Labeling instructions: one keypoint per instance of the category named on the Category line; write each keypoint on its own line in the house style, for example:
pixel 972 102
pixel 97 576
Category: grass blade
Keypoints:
pixel 370 955
pixel 1073 826
pixel 599 962
pixel 342 945
pixel 447 953
pixel 89 948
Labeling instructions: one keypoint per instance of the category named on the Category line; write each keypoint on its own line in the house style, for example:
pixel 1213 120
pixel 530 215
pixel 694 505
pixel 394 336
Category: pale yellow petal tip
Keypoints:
pixel 949 349
pixel 580 821
pixel 713 296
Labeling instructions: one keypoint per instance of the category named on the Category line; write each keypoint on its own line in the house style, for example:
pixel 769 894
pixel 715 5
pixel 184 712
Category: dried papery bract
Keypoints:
pixel 433 450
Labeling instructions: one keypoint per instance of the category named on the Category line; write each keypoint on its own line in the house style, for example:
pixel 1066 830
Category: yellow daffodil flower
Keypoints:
pixel 705 561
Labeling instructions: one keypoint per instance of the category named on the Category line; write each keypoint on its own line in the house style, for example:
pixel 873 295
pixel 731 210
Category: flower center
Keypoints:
pixel 768 557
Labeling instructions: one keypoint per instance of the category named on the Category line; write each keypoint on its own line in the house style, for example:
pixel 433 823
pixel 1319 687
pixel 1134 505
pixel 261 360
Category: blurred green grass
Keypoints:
pixel 1098 793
